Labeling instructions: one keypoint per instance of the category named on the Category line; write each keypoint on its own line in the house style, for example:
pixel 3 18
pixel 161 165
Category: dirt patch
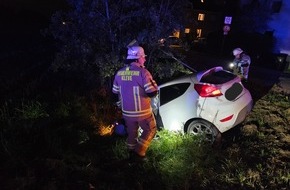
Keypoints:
pixel 269 122
pixel 249 130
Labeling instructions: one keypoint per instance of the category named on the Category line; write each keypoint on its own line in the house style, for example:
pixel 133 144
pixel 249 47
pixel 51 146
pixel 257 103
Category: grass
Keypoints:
pixel 58 145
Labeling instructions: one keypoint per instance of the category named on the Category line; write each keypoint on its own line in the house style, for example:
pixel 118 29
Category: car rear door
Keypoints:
pixel 176 104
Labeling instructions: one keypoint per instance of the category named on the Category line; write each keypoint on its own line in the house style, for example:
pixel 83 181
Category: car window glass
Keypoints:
pixel 169 93
pixel 218 77
pixel 234 91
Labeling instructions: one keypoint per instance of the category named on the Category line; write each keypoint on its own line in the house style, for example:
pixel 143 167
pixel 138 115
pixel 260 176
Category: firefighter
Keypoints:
pixel 242 63
pixel 135 87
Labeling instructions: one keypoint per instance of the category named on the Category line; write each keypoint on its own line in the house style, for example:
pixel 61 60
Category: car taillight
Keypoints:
pixel 227 118
pixel 206 90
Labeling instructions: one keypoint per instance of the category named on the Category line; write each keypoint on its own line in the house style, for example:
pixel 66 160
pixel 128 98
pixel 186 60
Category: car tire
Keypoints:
pixel 201 127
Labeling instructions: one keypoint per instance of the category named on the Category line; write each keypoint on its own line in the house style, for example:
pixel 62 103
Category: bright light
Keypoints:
pixel 161 41
pixel 200 17
pixel 106 130
pixel 198 32
pixel 175 126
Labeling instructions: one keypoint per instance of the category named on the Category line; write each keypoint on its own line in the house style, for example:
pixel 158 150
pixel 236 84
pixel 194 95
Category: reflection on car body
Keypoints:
pixel 208 102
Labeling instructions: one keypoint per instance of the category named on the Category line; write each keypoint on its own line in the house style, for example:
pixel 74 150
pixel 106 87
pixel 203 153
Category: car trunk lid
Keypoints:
pixel 218 82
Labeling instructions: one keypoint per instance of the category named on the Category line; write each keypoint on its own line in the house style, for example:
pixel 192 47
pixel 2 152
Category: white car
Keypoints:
pixel 208 102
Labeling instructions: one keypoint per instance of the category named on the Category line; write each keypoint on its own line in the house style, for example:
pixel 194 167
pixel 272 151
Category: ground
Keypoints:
pixel 261 140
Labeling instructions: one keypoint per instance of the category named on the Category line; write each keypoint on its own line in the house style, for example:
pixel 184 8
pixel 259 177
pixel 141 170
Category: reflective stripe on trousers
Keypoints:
pixel 140 144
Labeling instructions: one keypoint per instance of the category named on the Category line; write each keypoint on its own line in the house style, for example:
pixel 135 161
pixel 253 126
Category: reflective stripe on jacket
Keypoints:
pixel 132 83
pixel 242 65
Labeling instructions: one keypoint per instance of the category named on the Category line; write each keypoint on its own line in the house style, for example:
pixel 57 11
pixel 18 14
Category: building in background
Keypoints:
pixel 261 26
pixel 207 18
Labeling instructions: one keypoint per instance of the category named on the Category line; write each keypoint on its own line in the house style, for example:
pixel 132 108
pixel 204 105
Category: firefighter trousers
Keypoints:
pixel 136 142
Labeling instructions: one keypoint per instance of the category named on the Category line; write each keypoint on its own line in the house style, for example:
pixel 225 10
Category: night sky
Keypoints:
pixel 22 20
pixel 44 7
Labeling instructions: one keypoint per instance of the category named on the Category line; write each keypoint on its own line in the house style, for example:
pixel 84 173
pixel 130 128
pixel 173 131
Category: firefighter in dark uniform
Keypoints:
pixel 242 63
pixel 135 87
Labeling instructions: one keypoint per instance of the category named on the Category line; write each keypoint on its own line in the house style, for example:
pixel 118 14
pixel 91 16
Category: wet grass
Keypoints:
pixel 58 145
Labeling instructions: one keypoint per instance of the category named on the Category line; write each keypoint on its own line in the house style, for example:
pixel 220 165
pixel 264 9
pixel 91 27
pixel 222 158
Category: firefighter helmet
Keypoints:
pixel 135 52
pixel 237 51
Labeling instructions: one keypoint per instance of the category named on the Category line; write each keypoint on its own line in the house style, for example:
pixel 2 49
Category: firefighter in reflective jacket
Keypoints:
pixel 135 87
pixel 242 63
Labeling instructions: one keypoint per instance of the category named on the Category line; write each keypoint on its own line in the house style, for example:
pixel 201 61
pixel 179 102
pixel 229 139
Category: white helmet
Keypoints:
pixel 237 51
pixel 135 52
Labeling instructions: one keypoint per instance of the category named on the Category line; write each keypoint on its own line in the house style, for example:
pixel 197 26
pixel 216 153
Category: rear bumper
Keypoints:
pixel 238 109
pixel 243 113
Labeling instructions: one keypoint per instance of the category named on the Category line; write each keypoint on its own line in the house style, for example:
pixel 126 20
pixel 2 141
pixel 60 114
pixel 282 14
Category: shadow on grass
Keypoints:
pixel 261 80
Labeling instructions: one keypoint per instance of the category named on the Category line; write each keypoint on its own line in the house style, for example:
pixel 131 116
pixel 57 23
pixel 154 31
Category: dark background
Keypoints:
pixel 22 20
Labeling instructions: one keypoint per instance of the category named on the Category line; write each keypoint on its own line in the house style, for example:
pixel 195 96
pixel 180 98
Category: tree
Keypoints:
pixel 93 34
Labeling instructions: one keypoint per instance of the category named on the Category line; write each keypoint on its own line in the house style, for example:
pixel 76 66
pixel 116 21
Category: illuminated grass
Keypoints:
pixel 32 110
pixel 175 157
pixel 63 151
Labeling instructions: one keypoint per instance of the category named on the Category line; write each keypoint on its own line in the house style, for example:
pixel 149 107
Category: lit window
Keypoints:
pixel 187 30
pixel 176 33
pixel 198 33
pixel 200 17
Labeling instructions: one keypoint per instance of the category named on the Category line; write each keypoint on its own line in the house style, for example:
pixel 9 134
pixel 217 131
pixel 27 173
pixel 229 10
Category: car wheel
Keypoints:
pixel 205 129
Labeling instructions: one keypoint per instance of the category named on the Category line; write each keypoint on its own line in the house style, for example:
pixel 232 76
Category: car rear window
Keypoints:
pixel 234 91
pixel 218 77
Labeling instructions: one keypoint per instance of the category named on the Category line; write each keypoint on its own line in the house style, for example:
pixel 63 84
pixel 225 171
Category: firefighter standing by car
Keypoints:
pixel 135 87
pixel 242 63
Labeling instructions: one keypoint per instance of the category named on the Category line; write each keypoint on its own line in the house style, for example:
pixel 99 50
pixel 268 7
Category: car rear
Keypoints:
pixel 224 101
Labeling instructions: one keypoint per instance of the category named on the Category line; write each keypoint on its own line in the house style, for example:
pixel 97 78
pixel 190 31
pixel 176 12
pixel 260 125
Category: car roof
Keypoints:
pixel 192 77
pixel 186 78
